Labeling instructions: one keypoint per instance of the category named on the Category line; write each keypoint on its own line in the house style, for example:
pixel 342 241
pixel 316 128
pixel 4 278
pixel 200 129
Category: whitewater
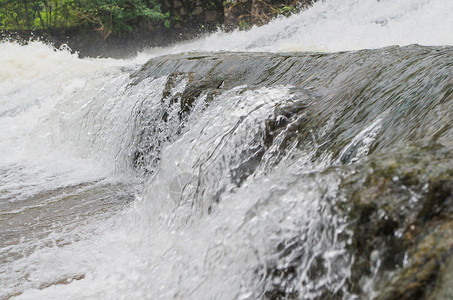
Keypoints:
pixel 118 180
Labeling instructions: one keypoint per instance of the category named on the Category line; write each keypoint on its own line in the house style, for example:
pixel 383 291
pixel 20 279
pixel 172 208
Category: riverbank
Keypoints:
pixel 185 20
pixel 92 44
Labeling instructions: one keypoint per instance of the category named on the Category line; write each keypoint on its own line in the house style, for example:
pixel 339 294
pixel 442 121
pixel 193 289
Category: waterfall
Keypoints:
pixel 269 164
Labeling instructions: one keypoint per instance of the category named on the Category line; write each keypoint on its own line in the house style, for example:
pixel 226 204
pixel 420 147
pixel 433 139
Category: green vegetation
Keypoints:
pixel 122 16
pixel 106 15
pixel 244 25
pixel 31 14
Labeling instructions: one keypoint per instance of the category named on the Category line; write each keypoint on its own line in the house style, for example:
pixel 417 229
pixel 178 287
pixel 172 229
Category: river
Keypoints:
pixel 233 166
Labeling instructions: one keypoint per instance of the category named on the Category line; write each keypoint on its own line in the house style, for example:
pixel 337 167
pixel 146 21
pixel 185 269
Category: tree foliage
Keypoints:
pixel 106 15
pixel 118 15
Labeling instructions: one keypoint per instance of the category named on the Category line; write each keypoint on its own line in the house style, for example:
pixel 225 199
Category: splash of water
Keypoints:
pixel 337 25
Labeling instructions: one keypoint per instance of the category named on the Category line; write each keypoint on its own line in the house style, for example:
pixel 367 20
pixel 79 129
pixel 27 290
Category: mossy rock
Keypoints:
pixel 443 289
pixel 419 278
pixel 399 206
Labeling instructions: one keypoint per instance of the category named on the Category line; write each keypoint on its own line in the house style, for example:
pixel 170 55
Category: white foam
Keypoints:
pixel 42 93
pixel 338 25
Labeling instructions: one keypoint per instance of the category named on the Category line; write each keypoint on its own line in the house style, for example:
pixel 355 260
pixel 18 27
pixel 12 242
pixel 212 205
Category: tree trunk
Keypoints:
pixel 49 16
pixel 27 16
pixel 55 13
pixel 254 11
pixel 37 10
pixel 17 17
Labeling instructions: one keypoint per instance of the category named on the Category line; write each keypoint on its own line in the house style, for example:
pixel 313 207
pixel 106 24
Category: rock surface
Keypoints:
pixel 393 165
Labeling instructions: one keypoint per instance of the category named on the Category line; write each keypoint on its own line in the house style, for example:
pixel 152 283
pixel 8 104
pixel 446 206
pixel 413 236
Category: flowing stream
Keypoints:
pixel 213 169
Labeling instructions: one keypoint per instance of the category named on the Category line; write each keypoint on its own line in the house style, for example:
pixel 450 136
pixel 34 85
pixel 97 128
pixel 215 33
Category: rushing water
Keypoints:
pixel 212 175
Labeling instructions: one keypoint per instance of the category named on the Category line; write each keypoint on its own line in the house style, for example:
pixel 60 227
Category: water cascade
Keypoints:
pixel 232 167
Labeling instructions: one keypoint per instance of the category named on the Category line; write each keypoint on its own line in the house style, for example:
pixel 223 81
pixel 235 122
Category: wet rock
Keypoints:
pixel 158 124
pixel 399 209
pixel 197 11
pixel 211 16
pixel 443 289
pixel 439 199
pixel 395 198
pixel 287 119
pixel 194 89
pixel 177 4
pixel 417 280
